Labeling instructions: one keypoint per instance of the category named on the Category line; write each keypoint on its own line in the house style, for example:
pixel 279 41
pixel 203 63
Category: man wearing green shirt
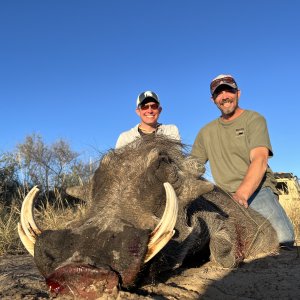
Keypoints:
pixel 237 146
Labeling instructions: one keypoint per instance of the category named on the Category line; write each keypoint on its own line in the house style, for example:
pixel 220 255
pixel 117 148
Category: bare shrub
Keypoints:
pixel 43 165
pixel 8 177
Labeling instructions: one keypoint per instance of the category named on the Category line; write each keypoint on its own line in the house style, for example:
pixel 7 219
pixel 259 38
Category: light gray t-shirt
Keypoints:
pixel 129 136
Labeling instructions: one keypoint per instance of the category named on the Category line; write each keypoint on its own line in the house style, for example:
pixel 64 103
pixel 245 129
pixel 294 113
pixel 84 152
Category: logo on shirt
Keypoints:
pixel 239 132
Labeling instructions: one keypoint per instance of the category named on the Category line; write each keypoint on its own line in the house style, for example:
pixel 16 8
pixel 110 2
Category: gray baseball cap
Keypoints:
pixel 222 80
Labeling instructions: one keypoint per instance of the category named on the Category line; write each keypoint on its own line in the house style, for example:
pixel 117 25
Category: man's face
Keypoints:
pixel 227 99
pixel 149 113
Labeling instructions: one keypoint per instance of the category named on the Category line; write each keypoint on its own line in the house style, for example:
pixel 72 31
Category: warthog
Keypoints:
pixel 148 211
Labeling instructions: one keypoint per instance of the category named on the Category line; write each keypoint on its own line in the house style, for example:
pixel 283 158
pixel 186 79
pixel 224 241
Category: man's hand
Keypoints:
pixel 240 198
pixel 254 175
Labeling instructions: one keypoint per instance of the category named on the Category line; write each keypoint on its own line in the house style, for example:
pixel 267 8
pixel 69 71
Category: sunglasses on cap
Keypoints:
pixel 224 80
pixel 153 106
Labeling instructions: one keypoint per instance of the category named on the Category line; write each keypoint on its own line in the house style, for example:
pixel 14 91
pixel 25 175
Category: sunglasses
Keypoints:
pixel 225 80
pixel 226 88
pixel 153 106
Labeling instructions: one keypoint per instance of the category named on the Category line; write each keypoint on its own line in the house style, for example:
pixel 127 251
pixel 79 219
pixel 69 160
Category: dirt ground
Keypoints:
pixel 276 277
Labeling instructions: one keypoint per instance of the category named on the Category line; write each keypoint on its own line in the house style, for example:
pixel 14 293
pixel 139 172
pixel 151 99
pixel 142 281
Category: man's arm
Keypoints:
pixel 255 173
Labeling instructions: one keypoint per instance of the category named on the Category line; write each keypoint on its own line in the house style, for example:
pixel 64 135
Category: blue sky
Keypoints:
pixel 72 69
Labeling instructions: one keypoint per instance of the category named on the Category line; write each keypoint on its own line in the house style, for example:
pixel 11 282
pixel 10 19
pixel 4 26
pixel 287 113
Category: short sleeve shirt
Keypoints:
pixel 227 146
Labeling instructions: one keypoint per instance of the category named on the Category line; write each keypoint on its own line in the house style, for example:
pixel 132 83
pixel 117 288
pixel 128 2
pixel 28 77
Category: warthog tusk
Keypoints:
pixel 164 231
pixel 28 230
pixel 28 244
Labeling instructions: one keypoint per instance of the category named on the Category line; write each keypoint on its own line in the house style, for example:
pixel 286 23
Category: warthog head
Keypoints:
pixel 147 211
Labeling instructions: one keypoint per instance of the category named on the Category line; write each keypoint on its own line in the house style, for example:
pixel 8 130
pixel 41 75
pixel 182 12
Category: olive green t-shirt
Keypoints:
pixel 227 146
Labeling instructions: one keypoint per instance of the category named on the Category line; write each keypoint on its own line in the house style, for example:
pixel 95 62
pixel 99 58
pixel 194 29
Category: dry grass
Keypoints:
pixel 9 239
pixel 292 209
pixel 47 217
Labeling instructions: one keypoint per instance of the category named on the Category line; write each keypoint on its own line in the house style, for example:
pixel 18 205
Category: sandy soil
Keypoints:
pixel 276 277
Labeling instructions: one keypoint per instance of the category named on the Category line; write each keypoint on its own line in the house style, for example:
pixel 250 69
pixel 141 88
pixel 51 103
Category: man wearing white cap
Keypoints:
pixel 237 146
pixel 148 109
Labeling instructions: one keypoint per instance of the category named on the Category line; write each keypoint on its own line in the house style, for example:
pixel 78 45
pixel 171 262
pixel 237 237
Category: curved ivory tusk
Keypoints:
pixel 28 244
pixel 164 231
pixel 28 230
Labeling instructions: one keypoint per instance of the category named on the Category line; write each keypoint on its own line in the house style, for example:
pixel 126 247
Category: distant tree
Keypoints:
pixel 9 182
pixel 34 158
pixel 51 167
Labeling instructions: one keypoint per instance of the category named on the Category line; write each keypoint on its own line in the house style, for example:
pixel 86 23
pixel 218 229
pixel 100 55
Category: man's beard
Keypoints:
pixel 228 112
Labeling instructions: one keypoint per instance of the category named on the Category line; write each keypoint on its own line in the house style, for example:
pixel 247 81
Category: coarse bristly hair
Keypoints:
pixel 163 144
pixel 128 199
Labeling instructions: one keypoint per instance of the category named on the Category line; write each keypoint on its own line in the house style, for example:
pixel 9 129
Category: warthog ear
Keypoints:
pixel 162 167
pixel 192 166
pixel 192 188
pixel 81 192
